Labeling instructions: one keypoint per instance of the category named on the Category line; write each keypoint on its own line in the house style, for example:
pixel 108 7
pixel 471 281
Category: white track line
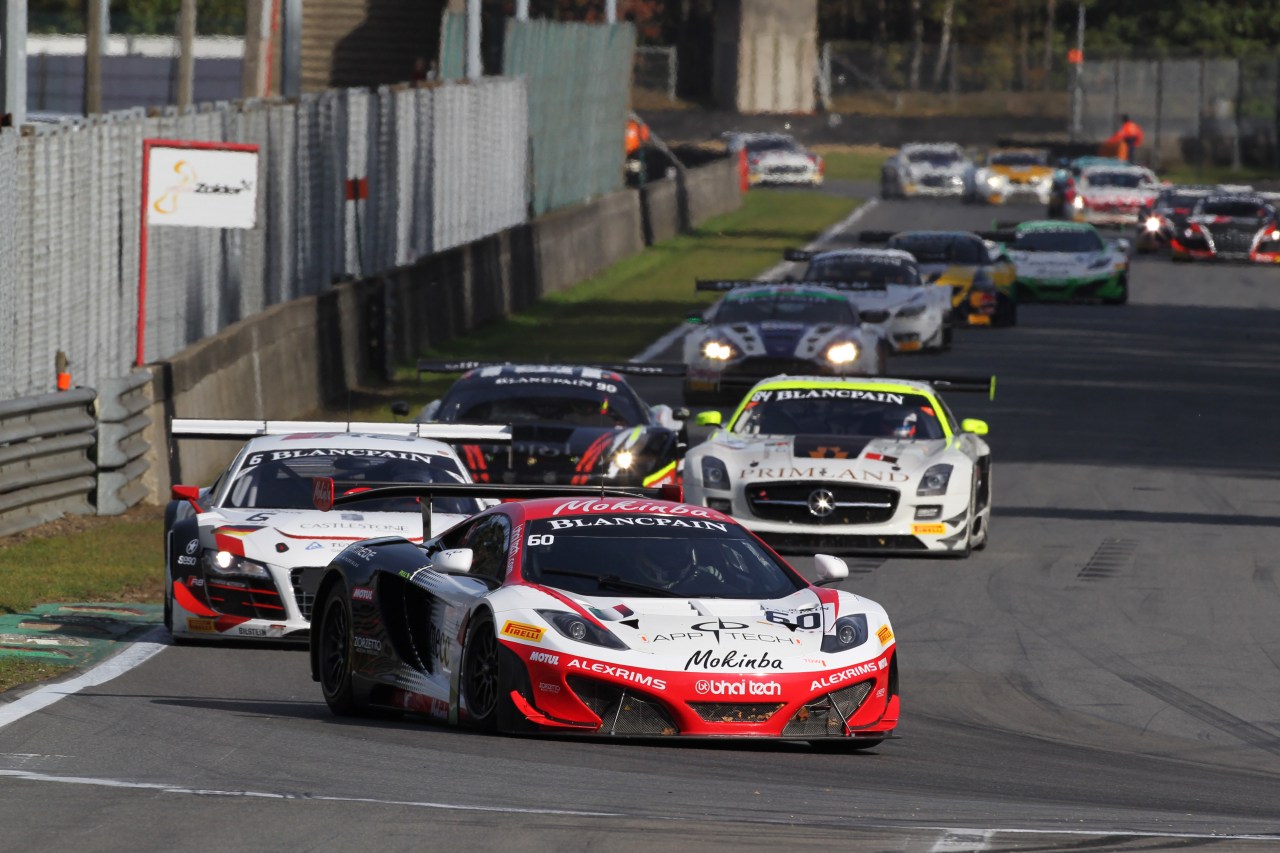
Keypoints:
pixel 136 653
pixel 963 841
pixel 661 344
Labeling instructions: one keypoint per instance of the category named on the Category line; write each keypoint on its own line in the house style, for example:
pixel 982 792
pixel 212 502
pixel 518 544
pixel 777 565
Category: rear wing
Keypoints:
pixel 631 368
pixel 965 384
pixel 213 428
pixel 731 284
pixel 322 492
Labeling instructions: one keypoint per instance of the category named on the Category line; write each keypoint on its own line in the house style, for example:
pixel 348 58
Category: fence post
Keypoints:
pixel 824 75
pixel 1200 121
pixel 1237 108
pixel 1159 111
pixel 672 72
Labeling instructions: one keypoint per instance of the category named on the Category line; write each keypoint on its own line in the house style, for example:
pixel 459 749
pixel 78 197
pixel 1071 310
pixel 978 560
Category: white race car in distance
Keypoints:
pixel 890 293
pixel 1114 195
pixel 875 464
pixel 925 169
pixel 243 556
pixel 776 158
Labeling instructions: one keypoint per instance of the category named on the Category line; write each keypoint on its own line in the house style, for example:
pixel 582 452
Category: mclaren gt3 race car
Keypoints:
pixel 1058 261
pixel 1010 173
pixel 929 169
pixel 1230 228
pixel 605 616
pixel 978 273
pixel 1110 195
pixel 889 292
pixel 569 424
pixel 849 465
pixel 763 328
pixel 776 158
pixel 243 557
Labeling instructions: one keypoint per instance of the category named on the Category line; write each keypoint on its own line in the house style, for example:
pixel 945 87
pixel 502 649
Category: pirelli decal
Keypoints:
pixel 521 631
pixel 928 529
pixel 885 634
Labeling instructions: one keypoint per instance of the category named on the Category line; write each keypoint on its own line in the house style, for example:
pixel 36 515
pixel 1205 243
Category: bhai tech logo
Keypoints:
pixel 718 687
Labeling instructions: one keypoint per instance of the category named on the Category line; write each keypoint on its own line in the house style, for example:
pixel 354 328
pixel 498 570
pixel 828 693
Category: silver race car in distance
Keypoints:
pixel 843 464
pixel 925 169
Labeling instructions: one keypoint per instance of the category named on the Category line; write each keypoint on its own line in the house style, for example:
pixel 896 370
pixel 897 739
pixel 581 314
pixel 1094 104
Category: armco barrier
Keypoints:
pixel 122 445
pixel 45 466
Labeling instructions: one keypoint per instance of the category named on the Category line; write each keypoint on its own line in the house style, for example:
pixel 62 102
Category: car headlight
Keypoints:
pixel 717 351
pixel 1152 225
pixel 877 316
pixel 843 353
pixel 623 459
pixel 849 632
pixel 995 181
pixel 714 473
pixel 915 309
pixel 226 564
pixel 935 480
pixel 1078 202
pixel 1099 263
pixel 575 627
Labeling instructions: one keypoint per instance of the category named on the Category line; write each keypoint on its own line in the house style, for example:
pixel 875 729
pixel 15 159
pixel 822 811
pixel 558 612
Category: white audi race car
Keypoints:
pixel 763 328
pixel 930 169
pixel 776 158
pixel 890 293
pixel 606 615
pixel 877 465
pixel 243 556
pixel 1113 195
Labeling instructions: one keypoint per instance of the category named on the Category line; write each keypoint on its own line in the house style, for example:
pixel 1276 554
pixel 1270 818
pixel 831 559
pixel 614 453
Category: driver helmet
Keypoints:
pixel 905 429
pixel 663 562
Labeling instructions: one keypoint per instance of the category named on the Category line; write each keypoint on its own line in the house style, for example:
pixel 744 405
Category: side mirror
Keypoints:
pixel 1123 244
pixel 830 569
pixel 694 318
pixel 184 493
pixel 456 560
pixel 974 426
pixel 681 414
pixel 400 408
pixel 708 419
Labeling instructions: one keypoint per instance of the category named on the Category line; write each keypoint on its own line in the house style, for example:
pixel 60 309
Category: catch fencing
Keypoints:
pixel 1197 110
pixel 351 183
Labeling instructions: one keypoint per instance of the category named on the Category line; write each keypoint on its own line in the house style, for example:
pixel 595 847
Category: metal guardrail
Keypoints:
pixel 78 452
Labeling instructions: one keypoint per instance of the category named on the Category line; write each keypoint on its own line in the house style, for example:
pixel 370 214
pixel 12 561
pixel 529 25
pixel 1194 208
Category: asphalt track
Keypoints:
pixel 1102 677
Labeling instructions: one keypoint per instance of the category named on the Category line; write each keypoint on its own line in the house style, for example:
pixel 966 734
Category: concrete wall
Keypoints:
pixel 766 55
pixel 313 353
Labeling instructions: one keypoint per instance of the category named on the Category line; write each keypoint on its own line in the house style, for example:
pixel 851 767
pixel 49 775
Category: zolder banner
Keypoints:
pixel 201 187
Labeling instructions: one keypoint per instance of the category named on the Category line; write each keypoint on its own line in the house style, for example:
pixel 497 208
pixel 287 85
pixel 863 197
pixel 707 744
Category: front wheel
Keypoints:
pixel 481 683
pixel 333 633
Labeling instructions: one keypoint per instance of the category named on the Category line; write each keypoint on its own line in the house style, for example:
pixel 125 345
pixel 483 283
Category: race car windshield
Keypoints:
pixel 282 479
pixel 934 158
pixel 862 270
pixel 787 308
pixel 634 555
pixel 942 250
pixel 1235 208
pixel 522 403
pixel 1020 158
pixel 840 412
pixel 1121 180
pixel 1057 241
pixel 757 146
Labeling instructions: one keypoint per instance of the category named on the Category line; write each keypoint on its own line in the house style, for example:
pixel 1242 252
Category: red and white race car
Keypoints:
pixel 1230 227
pixel 624 616
pixel 1113 195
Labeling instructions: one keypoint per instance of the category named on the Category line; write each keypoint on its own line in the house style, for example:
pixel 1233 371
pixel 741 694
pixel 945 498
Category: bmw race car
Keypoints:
pixel 977 271
pixel 604 615
pixel 1063 187
pixel 849 465
pixel 1058 261
pixel 569 424
pixel 924 169
pixel 776 158
pixel 1239 227
pixel 1167 216
pixel 1010 173
pixel 1111 195
pixel 244 556
pixel 890 294
pixel 762 328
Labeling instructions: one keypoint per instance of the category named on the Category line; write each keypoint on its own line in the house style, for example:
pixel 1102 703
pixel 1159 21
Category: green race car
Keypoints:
pixel 1060 261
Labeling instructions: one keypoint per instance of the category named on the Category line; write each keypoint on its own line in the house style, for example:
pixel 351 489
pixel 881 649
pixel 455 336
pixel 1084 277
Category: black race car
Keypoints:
pixel 1238 227
pixel 570 424
pixel 1167 216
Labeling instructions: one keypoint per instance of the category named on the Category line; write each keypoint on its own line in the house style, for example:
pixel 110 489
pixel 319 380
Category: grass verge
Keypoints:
pixel 854 162
pixel 610 317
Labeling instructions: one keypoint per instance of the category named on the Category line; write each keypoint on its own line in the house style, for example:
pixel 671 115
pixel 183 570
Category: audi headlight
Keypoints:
pixel 717 351
pixel 1078 202
pixel 714 473
pixel 575 627
pixel 849 632
pixel 844 353
pixel 226 564
pixel 1152 225
pixel 935 480
pixel 915 309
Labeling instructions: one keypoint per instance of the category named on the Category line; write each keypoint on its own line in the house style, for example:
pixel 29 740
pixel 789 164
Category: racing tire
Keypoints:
pixel 336 652
pixel 1124 293
pixel 481 679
